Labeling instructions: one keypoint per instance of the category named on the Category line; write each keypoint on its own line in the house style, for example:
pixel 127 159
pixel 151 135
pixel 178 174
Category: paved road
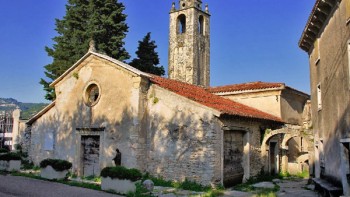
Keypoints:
pixel 288 188
pixel 295 188
pixel 13 186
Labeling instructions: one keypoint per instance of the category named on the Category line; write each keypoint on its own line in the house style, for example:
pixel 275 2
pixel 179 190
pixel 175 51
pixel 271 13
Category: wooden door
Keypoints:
pixel 233 158
pixel 91 155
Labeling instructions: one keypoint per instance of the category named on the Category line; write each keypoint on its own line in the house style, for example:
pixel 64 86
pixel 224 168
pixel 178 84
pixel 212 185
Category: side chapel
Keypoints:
pixel 176 127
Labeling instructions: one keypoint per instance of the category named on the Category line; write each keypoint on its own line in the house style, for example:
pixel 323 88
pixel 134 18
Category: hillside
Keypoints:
pixel 27 109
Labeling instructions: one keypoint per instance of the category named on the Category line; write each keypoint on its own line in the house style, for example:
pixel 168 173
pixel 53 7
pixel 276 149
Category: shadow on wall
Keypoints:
pixel 185 146
pixel 333 159
pixel 58 134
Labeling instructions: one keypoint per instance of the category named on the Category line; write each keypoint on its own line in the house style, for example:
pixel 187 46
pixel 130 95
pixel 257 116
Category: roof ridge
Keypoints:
pixel 256 85
pixel 204 97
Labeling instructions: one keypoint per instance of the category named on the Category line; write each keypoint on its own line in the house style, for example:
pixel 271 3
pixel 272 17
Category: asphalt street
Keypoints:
pixel 11 186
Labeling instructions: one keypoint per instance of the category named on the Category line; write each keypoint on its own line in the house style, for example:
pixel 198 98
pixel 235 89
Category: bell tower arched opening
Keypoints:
pixel 201 25
pixel 181 24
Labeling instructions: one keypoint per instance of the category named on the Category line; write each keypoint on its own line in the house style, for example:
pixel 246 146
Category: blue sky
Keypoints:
pixel 251 40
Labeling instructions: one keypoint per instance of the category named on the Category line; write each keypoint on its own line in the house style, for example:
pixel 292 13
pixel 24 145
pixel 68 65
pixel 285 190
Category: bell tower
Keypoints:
pixel 189 43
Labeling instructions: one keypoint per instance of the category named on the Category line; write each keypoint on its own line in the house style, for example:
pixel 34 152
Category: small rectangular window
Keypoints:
pixel 319 98
pixel 48 141
pixel 316 51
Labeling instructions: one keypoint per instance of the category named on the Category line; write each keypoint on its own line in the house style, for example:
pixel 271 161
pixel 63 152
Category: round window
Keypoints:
pixel 92 94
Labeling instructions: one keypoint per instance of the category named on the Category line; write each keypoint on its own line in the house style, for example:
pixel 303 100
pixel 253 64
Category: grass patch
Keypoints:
pixel 267 194
pixel 140 192
pixel 80 184
pixel 185 185
pixel 92 178
pixel 304 174
pixel 158 181
pixel 261 192
pixel 214 193
pixel 28 175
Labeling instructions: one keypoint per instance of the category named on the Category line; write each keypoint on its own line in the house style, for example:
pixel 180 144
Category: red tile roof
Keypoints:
pixel 202 96
pixel 245 86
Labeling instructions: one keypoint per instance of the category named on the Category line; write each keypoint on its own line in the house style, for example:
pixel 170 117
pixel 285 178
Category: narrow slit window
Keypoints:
pixel 319 98
pixel 316 51
pixel 200 25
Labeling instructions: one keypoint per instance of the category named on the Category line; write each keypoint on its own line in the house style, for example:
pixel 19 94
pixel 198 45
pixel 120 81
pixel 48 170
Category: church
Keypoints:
pixel 178 127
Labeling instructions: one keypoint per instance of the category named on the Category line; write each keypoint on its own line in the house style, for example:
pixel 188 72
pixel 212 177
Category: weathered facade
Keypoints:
pixel 326 40
pixel 273 98
pixel 286 149
pixel 162 126
pixel 174 128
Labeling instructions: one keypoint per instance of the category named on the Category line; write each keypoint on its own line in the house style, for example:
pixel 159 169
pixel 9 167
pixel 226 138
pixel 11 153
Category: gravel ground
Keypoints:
pixel 11 186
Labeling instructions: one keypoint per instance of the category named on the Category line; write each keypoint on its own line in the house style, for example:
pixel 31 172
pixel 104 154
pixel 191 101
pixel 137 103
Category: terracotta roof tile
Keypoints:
pixel 245 86
pixel 202 96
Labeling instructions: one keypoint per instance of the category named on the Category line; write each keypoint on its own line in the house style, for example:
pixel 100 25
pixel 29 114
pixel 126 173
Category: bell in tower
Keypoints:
pixel 189 43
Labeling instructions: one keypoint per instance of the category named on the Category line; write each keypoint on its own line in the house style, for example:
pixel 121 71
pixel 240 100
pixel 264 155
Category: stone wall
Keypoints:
pixel 184 139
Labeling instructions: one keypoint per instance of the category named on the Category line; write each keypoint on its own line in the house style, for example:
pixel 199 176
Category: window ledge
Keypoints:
pixel 317 61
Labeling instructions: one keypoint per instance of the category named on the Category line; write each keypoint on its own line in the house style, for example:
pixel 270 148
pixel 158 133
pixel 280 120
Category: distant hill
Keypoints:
pixel 27 109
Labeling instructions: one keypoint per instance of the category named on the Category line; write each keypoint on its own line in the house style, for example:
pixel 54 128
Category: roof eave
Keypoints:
pixel 275 120
pixel 125 66
pixel 319 15
pixel 40 113
pixel 221 93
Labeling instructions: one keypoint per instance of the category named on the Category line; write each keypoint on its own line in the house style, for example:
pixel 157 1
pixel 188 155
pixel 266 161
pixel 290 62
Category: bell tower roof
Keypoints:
pixel 185 4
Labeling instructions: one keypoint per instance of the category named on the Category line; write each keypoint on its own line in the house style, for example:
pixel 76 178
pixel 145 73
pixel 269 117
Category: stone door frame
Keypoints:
pixel 80 132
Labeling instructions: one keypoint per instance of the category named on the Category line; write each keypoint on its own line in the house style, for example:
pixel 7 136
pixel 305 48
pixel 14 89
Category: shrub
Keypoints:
pixel 121 172
pixel 57 164
pixel 27 165
pixel 193 186
pixel 3 150
pixel 10 156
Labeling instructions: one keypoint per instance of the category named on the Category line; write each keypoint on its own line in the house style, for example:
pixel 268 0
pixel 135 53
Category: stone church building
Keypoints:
pixel 175 128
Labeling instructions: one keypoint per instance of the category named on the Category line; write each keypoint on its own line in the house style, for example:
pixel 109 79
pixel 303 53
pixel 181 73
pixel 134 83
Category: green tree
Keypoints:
pixel 147 58
pixel 100 20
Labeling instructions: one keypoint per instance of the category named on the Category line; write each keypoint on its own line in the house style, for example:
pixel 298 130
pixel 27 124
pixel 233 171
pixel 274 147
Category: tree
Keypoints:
pixel 100 20
pixel 147 58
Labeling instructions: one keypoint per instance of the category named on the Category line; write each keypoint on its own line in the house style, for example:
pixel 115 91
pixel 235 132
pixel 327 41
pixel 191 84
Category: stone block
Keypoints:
pixel 51 174
pixel 12 165
pixel 117 185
